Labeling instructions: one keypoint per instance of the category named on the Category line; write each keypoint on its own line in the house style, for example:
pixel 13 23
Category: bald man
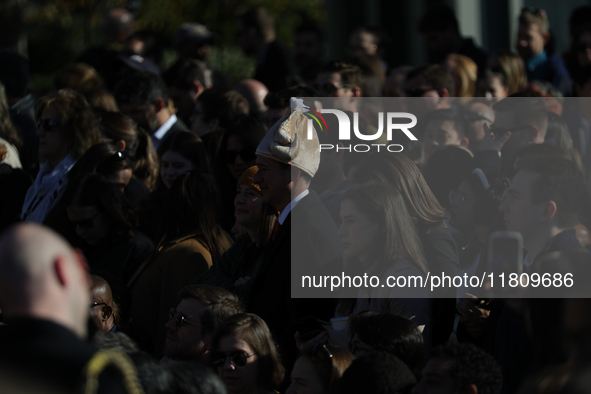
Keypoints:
pixel 45 298
pixel 254 92
pixel 103 310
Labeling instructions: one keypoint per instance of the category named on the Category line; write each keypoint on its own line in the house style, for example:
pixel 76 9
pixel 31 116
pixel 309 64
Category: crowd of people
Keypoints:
pixel 154 222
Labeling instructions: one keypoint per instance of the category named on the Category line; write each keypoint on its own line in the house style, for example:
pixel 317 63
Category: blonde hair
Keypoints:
pixel 513 67
pixel 467 71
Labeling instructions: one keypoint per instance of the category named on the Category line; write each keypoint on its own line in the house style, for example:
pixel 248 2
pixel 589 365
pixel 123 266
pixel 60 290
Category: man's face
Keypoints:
pixel 198 125
pixel 184 101
pixel 425 97
pixel 187 342
pixel 102 315
pixel 142 114
pixel 331 85
pixel 530 41
pixel 274 181
pixel 492 88
pixel 308 49
pixel 519 213
pixel 440 133
pixel 435 378
pixel 520 132
pixel 362 43
pixel 273 115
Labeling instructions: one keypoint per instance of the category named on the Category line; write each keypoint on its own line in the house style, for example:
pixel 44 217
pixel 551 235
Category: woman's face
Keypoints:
pixel 357 232
pixel 53 145
pixel 238 379
pixel 173 164
pixel 235 161
pixel 89 222
pixel 304 378
pixel 249 206
pixel 461 206
pixel 121 179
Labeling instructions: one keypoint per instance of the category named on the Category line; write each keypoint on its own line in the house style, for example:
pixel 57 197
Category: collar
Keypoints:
pixel 291 206
pixel 535 61
pixel 46 173
pixel 162 130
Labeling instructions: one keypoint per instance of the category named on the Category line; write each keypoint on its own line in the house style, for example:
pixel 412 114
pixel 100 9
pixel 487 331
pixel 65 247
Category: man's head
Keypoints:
pixel 186 85
pixel 545 195
pixel 440 28
pixel 309 47
pixel 255 29
pixel 460 369
pixel 342 80
pixel 103 310
pixel 194 41
pixel 533 33
pixel 527 120
pixel 433 84
pixel 201 310
pixel 41 276
pixel 376 372
pixel 477 114
pixel 217 108
pixel 254 92
pixel 277 103
pixel 287 159
pixel 444 127
pixel 144 98
pixel 363 42
pixel 117 25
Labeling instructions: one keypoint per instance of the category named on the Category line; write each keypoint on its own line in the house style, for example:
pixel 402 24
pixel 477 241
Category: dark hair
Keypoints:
pixel 141 88
pixel 349 73
pixel 488 73
pixel 138 145
pixel 221 304
pixel 99 159
pixel 559 135
pixel 377 373
pixel 311 28
pixel 259 19
pixel 191 207
pixel 329 368
pixel 452 115
pixel 186 378
pixel 187 72
pixel 436 76
pixel 14 73
pixel 471 365
pixel 101 100
pixel 79 76
pixel 188 145
pixel 223 104
pixel 95 190
pixel 383 204
pixel 560 181
pixel 152 49
pixel 280 99
pixel 392 333
pixel 446 169
pixel 529 110
pixel 487 202
pixel 254 331
pixel 439 18
pixel 78 121
pixel 402 173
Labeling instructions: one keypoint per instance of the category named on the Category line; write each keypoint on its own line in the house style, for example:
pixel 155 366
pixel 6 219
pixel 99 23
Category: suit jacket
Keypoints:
pixel 316 246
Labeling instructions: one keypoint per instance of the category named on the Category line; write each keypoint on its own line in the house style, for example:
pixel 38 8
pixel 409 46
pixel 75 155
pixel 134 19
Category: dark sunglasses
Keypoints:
pixel 330 88
pixel 48 125
pixel 180 319
pixel 417 92
pixel 245 154
pixel 238 358
pixel 85 224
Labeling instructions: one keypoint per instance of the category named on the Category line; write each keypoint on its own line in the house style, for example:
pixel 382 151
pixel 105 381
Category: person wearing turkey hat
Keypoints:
pixel 288 160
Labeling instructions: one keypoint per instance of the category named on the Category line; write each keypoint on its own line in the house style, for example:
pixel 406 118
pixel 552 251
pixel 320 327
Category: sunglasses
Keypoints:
pixel 85 224
pixel 330 88
pixel 237 358
pixel 417 92
pixel 245 154
pixel 180 319
pixel 47 125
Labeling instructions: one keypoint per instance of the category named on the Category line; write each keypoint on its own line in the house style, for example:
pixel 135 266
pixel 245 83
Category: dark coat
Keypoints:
pixel 316 246
pixel 275 68
pixel 14 183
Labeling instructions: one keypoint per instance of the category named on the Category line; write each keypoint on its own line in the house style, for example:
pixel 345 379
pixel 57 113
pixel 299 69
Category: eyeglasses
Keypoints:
pixel 181 319
pixel 245 154
pixel 238 358
pixel 330 88
pixel 97 304
pixel 417 92
pixel 85 224
pixel 47 125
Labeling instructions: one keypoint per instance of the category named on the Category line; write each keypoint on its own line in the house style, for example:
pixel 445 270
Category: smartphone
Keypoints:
pixel 308 327
pixel 505 253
